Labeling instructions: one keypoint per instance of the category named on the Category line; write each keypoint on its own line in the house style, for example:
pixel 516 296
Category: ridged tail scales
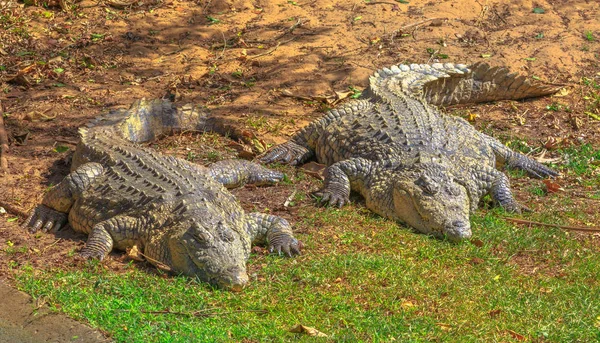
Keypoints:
pixel 449 84
pixel 146 120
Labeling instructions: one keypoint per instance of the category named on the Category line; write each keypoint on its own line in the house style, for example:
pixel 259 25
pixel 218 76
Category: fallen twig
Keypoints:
pixel 419 23
pixel 12 209
pixel 51 245
pixel 3 143
pixel 202 313
pixel 298 23
pixel 381 3
pixel 66 141
pixel 564 227
pixel 289 199
pixel 265 53
pixel 157 263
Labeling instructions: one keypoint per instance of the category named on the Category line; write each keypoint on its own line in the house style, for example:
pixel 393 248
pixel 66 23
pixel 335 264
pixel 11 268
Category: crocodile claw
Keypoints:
pixel 532 167
pixel 90 254
pixel 286 244
pixel 44 218
pixel 325 197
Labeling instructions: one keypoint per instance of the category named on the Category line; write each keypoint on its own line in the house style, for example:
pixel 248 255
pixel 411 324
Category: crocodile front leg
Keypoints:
pixel 275 231
pixel 99 243
pixel 338 179
pixel 236 173
pixel 122 230
pixel 52 213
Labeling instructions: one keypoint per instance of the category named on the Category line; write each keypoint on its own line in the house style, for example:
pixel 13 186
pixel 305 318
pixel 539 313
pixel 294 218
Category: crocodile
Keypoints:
pixel 179 215
pixel 411 162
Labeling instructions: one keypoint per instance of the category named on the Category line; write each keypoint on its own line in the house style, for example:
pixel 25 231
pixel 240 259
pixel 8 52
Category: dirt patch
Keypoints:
pixel 59 69
pixel 23 320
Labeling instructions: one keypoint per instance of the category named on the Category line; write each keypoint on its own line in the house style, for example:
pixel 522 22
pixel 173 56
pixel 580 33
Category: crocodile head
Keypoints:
pixel 428 198
pixel 215 252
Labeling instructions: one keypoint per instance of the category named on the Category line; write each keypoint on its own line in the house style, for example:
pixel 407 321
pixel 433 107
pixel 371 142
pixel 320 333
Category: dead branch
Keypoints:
pixel 564 227
pixel 265 53
pixel 3 143
pixel 203 313
pixel 14 210
pixel 381 3
pixel 416 25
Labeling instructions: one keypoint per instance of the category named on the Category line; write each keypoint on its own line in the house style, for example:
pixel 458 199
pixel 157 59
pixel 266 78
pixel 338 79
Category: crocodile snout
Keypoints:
pixel 235 280
pixel 458 230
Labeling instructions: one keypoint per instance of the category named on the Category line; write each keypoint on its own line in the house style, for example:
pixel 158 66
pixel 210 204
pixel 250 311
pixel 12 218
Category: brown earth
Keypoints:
pixel 24 320
pixel 60 68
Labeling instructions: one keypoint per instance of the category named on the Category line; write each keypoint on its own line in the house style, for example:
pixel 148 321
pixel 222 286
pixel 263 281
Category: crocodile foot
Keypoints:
pixel 90 254
pixel 45 218
pixel 284 242
pixel 333 194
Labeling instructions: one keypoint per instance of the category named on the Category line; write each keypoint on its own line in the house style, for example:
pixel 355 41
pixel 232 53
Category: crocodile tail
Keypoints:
pixel 412 79
pixel 146 120
pixel 485 83
pixel 448 84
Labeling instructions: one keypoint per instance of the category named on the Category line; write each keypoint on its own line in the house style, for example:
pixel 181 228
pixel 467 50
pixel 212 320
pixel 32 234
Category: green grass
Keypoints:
pixel 582 161
pixel 362 278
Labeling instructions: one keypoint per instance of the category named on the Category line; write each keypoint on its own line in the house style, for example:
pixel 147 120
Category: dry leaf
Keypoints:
pixel 259 145
pixel 244 152
pixel 407 304
pixel 476 260
pixel 444 326
pixel 540 158
pixel 494 313
pixel 472 116
pixel 516 336
pixel 120 4
pixel 246 155
pixel 551 186
pixel 562 92
pixel 343 95
pixel 552 143
pixel 477 242
pixel 134 254
pixel 315 170
pixel 307 331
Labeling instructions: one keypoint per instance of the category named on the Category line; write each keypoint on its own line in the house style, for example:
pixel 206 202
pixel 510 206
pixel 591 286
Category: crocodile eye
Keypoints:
pixel 226 235
pixel 428 185
pixel 453 190
pixel 200 234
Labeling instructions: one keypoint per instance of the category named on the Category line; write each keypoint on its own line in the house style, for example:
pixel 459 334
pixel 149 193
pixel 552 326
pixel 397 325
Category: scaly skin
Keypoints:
pixel 411 162
pixel 178 214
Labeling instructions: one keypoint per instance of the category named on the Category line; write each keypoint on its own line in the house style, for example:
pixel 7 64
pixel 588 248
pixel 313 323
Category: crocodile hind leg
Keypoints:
pixel 301 146
pixel 498 186
pixel 275 231
pixel 52 213
pixel 236 173
pixel 514 160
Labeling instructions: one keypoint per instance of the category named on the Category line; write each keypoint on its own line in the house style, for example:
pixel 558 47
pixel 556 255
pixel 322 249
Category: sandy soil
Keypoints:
pixel 24 320
pixel 59 69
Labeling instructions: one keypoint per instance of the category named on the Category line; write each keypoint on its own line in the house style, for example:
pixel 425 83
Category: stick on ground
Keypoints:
pixel 3 143
pixel 564 227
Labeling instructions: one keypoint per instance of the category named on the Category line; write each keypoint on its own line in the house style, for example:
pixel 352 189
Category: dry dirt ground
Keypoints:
pixel 61 67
